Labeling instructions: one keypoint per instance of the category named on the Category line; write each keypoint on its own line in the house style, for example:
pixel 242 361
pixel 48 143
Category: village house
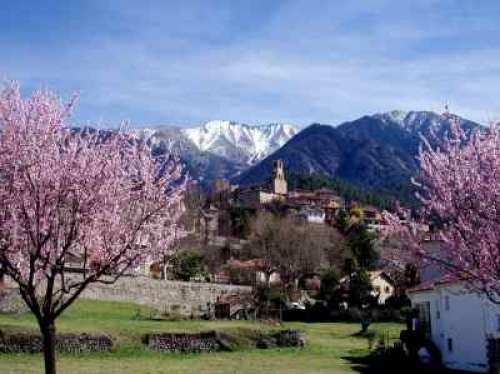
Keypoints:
pixel 257 196
pixel 372 218
pixel 323 197
pixel 463 325
pixel 312 215
pixel 319 206
pixel 252 271
pixel 382 284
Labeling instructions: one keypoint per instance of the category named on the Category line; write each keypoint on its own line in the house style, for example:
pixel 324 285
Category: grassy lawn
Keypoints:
pixel 329 344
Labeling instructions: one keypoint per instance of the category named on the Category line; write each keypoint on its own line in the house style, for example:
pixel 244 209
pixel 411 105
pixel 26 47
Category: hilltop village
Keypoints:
pixel 286 242
pixel 319 207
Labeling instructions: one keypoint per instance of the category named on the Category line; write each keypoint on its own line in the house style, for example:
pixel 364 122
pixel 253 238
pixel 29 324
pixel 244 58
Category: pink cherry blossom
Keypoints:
pixel 93 198
pixel 459 188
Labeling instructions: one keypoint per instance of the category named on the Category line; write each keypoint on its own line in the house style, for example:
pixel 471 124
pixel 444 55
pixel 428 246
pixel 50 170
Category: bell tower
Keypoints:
pixel 279 180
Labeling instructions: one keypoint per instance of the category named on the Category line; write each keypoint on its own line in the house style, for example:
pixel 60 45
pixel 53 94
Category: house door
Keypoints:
pixel 424 318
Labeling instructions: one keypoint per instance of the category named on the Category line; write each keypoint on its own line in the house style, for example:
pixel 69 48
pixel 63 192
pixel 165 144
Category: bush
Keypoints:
pixel 239 276
pixel 360 288
pixel 398 301
pixel 342 220
pixel 361 242
pixel 186 265
pixel 329 285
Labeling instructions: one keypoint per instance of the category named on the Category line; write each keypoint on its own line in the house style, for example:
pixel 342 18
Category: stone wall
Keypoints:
pixel 185 343
pixel 69 343
pixel 186 299
pixel 169 297
pixel 291 338
pixel 283 338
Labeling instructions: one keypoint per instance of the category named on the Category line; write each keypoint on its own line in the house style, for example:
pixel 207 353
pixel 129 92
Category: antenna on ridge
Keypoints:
pixel 446 108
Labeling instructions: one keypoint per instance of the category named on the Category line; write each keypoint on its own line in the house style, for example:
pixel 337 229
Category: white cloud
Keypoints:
pixel 299 62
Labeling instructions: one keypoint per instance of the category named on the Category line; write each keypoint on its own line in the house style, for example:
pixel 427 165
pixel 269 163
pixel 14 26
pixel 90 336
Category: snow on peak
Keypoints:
pixel 397 116
pixel 241 142
pixel 412 120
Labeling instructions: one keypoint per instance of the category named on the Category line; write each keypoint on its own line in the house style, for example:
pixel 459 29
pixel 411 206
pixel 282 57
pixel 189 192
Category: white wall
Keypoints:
pixel 382 289
pixel 469 321
pixel 313 215
pixel 316 218
pixel 260 278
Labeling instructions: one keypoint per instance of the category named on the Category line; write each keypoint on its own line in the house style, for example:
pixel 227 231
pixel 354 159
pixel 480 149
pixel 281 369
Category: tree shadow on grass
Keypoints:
pixel 361 364
pixel 371 364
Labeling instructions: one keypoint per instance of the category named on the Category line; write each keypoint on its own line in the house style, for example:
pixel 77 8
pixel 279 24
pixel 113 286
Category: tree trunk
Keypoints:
pixel 49 346
pixel 268 292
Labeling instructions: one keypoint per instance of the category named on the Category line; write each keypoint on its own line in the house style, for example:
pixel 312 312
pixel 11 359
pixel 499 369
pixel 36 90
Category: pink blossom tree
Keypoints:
pixel 66 196
pixel 459 188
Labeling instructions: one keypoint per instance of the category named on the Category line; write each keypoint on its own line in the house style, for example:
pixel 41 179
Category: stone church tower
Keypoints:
pixel 279 180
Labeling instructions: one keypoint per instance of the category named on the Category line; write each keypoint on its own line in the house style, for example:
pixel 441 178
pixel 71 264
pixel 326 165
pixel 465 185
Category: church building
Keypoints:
pixel 254 197
pixel 279 181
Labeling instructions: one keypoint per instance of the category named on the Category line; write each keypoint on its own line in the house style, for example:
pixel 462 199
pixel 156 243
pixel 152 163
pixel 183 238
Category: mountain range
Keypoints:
pixel 376 152
pixel 218 149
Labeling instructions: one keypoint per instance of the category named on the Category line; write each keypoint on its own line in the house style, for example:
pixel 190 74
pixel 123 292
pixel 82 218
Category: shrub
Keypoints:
pixel 329 288
pixel 360 288
pixel 186 265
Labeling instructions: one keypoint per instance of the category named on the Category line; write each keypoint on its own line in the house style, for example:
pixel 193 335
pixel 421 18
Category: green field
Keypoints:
pixel 331 346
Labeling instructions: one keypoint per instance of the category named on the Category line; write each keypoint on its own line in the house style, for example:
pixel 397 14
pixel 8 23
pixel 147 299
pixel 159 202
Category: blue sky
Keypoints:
pixel 185 62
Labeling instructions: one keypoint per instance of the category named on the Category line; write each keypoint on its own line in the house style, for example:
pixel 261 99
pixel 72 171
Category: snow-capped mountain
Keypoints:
pixel 377 152
pixel 428 124
pixel 240 142
pixel 217 149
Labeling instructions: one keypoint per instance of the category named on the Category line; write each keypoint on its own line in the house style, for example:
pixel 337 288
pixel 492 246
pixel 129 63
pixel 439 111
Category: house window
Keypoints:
pixel 450 345
pixel 493 350
pixel 498 322
pixel 447 302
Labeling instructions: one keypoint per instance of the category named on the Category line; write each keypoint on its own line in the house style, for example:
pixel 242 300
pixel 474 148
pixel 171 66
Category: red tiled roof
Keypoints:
pixel 253 264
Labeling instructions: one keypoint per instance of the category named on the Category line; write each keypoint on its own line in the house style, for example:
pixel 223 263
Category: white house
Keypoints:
pixel 312 214
pixel 382 284
pixel 464 325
